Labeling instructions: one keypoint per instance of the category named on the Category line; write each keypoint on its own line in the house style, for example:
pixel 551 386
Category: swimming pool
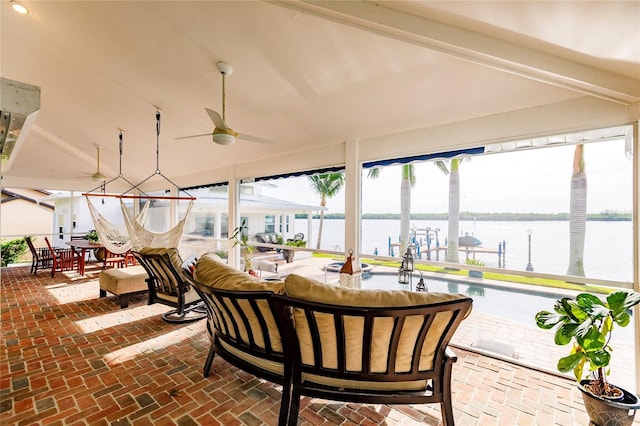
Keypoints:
pixel 514 304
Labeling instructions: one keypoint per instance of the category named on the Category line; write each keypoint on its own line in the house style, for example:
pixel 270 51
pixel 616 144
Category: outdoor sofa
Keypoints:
pixel 325 341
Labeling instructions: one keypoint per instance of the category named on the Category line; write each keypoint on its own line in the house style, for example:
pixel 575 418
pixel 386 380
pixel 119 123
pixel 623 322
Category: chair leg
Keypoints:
pixel 285 403
pixel 208 362
pixel 447 412
pixel 446 406
pixel 294 406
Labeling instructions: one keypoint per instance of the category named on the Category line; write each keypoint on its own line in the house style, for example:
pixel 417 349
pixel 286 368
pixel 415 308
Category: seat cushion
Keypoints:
pixel 311 290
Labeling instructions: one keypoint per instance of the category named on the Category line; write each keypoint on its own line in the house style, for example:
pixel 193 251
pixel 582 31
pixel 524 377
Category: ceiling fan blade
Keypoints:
pixel 256 139
pixel 195 136
pixel 217 119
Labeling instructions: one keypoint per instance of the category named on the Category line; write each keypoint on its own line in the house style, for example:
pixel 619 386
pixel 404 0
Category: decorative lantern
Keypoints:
pixel 403 275
pixel 350 275
pixel 408 258
pixel 421 286
pixel 406 268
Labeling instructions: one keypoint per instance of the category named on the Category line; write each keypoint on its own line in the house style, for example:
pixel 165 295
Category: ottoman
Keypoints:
pixel 122 282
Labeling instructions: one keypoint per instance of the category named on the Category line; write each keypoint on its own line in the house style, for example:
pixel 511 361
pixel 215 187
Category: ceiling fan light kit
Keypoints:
pixel 223 138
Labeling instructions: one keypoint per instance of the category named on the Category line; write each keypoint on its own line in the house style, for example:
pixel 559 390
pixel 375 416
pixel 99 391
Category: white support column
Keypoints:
pixel 310 230
pixel 636 248
pixel 352 200
pixel 234 215
pixel 217 233
pixel 173 210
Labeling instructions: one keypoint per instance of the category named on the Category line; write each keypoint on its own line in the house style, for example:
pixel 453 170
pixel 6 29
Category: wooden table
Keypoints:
pixel 83 246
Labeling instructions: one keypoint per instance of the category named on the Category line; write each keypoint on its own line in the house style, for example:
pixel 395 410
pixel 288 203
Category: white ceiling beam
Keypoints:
pixel 475 47
pixel 565 117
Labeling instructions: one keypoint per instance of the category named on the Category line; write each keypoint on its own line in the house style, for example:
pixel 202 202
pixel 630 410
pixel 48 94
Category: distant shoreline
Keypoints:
pixel 603 217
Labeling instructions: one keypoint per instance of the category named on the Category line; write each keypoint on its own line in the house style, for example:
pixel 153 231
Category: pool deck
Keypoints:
pixel 492 335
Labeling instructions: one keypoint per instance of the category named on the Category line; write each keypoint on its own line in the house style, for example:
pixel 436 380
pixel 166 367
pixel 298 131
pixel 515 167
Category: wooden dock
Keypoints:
pixel 432 251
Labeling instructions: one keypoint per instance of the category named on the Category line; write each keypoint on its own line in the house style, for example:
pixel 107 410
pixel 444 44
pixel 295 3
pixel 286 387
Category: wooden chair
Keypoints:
pixel 168 286
pixel 113 260
pixel 40 257
pixel 63 259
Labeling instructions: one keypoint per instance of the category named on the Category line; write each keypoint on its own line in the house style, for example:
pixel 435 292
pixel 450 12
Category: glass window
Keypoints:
pixel 270 223
pixel 563 209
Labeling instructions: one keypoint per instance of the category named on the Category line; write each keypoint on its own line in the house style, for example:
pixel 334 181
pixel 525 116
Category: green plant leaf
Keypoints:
pixel 622 319
pixel 547 320
pixel 588 300
pixel 568 363
pixel 599 358
pixel 593 340
pixel 565 333
pixel 621 301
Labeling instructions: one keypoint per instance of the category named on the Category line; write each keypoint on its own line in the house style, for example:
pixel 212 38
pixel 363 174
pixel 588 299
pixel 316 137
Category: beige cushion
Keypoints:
pixel 166 282
pixel 212 272
pixel 311 290
pixel 124 280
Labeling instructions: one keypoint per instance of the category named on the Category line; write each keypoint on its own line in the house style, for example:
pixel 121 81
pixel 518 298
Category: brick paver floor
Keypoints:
pixel 70 358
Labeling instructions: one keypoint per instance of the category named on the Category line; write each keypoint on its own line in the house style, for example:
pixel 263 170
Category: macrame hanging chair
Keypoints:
pixel 141 237
pixel 114 238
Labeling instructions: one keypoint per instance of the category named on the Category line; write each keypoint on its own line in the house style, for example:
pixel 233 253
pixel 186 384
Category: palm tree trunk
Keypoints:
pixel 405 208
pixel 454 213
pixel 323 202
pixel 577 214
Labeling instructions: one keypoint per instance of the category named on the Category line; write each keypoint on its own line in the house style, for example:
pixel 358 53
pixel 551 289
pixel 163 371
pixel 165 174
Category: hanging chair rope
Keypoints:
pixel 114 238
pixel 141 237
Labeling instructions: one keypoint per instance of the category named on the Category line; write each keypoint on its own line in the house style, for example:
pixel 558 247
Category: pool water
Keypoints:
pixel 513 304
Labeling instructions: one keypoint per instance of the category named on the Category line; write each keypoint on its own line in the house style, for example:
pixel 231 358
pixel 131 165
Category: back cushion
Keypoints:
pixel 211 271
pixel 311 290
pixel 166 280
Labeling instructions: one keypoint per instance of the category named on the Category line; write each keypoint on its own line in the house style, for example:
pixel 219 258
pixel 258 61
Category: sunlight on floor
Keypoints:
pixel 119 317
pixel 65 293
pixel 168 339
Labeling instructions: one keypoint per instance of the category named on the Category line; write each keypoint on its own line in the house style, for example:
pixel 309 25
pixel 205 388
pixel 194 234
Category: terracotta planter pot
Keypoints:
pixel 99 253
pixel 288 255
pixel 605 412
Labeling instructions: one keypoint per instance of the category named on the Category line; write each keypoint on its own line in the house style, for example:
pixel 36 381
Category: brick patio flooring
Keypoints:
pixel 70 358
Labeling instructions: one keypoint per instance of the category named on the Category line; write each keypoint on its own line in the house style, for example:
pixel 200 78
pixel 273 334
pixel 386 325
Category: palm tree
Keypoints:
pixel 407 183
pixel 327 185
pixel 577 214
pixel 454 207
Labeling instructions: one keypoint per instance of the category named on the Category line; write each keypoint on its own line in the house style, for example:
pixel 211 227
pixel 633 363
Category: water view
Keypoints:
pixel 608 245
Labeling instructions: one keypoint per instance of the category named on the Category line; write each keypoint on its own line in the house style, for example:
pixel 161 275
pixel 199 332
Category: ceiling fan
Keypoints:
pixel 97 175
pixel 223 134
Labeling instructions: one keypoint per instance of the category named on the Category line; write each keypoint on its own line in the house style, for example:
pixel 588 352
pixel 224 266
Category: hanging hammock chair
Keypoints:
pixel 141 237
pixel 114 238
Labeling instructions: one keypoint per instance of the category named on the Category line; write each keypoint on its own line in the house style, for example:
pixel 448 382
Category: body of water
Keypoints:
pixel 608 250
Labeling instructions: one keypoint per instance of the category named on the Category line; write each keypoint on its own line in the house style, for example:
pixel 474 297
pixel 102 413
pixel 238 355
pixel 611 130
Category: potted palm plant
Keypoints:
pixel 289 254
pixel 588 322
pixel 240 236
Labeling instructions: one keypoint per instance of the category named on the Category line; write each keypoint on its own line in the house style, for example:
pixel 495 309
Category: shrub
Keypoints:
pixel 476 262
pixel 12 250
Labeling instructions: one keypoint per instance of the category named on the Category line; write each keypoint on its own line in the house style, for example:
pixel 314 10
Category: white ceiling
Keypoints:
pixel 306 75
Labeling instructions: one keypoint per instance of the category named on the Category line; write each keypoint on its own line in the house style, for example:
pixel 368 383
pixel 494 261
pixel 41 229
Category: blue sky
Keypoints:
pixel 536 180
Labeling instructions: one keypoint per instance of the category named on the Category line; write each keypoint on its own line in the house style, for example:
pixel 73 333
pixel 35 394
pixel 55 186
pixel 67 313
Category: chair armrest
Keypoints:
pixel 450 355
